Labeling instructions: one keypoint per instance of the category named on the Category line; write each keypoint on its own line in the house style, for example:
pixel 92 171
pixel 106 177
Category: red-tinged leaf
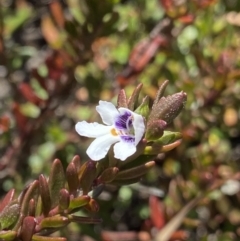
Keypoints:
pixel 21 120
pixel 132 101
pixel 4 124
pixel 77 162
pixel 135 172
pixel 122 182
pixel 64 199
pixel 50 32
pixel 28 93
pixel 92 205
pixel 45 195
pixel 167 4
pixel 180 235
pixel 157 212
pixel 85 220
pixel 27 228
pixel 32 207
pixel 72 178
pixel 145 51
pixel 170 228
pixel 87 174
pixel 7 199
pixel 119 235
pixel 31 193
pixel 205 3
pixel 122 99
pixel 55 64
pixel 187 19
pixel 108 175
pixel 56 181
pixel 57 13
pixel 126 76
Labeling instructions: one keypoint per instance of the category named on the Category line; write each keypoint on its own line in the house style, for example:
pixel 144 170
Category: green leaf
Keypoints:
pixel 9 215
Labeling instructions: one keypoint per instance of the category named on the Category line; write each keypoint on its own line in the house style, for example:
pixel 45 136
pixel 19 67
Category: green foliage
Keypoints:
pixel 57 60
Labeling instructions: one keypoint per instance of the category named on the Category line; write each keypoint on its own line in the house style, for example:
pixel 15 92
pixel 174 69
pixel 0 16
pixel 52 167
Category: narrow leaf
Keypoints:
pixel 134 97
pixel 166 232
pixel 135 172
pixel 72 178
pixel 108 175
pixel 92 205
pixel 86 175
pixel 8 235
pixel 46 238
pixel 27 228
pixel 9 215
pixel 56 181
pixel 160 93
pixel 64 199
pixel 122 99
pixel 45 195
pixel 54 222
pixel 7 199
pixel 85 220
pixel 78 202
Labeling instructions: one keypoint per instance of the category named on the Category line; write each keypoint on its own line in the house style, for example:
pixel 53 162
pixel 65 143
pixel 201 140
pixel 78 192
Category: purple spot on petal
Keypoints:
pixel 124 121
pixel 128 139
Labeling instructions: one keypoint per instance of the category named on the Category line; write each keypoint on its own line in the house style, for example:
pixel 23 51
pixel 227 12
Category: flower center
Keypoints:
pixel 114 132
pixel 123 125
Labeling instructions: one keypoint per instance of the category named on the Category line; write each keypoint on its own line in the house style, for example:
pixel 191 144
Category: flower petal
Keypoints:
pixel 100 146
pixel 92 129
pixel 123 121
pixel 107 111
pixel 138 124
pixel 122 150
pixel 139 127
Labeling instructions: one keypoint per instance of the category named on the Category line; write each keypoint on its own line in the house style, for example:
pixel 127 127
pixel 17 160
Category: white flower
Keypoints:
pixel 123 127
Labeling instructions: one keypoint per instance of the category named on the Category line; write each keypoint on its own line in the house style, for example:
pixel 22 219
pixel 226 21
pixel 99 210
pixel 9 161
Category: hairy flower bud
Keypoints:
pixel 167 108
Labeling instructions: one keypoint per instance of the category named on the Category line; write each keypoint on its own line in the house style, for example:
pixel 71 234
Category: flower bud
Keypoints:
pixel 167 108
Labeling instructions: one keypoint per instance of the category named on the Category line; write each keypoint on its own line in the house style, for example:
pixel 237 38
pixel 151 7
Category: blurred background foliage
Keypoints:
pixel 59 58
